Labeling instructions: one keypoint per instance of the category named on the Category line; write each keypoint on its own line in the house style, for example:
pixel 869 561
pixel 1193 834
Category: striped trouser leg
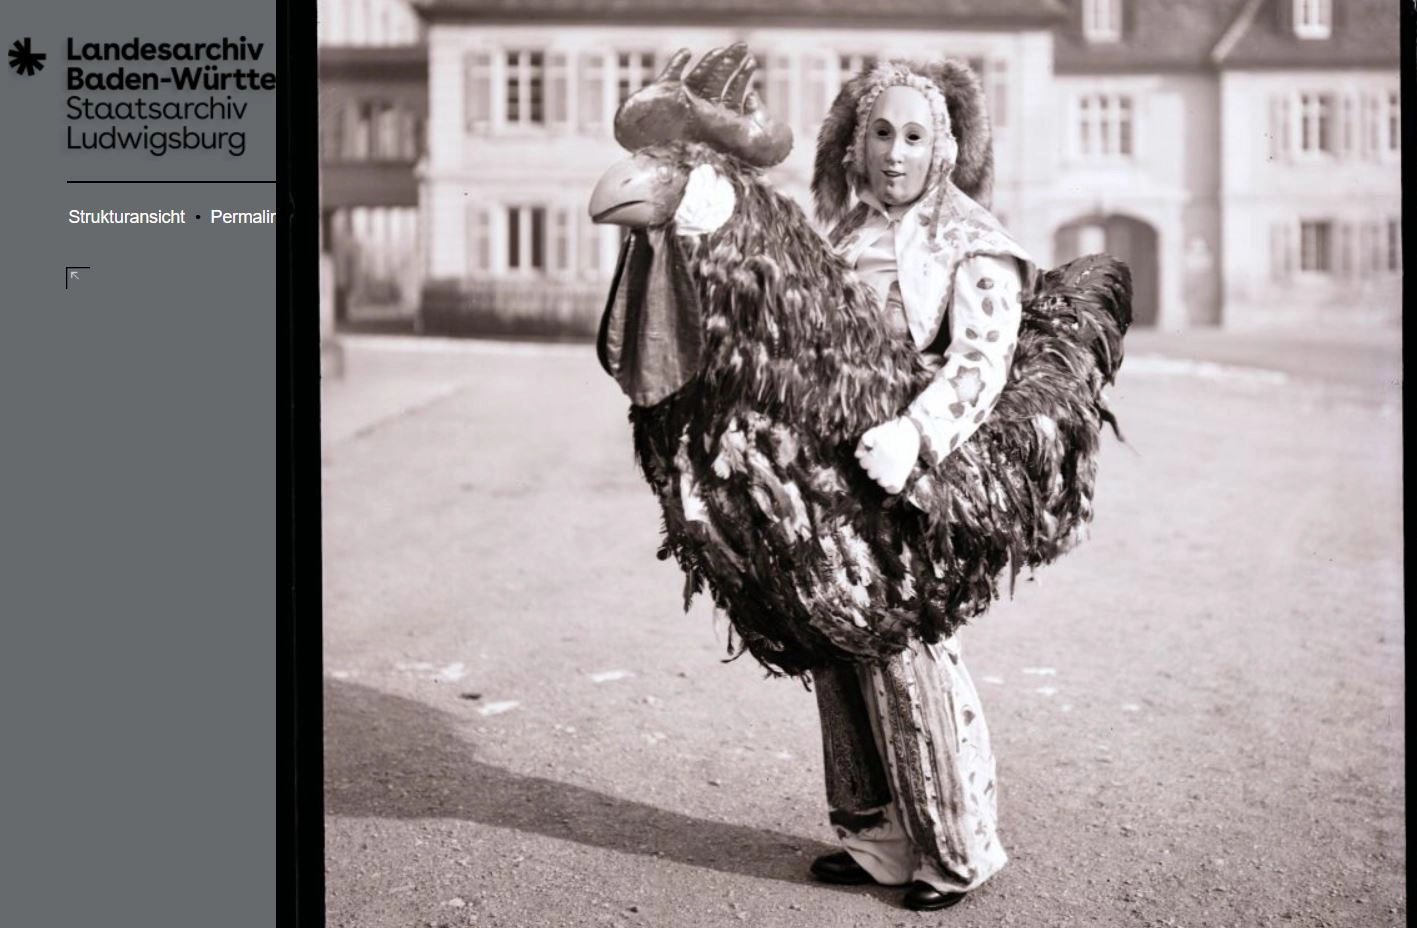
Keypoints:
pixel 910 775
pixel 930 729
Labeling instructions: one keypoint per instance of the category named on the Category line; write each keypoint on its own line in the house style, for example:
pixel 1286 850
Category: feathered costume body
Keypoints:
pixel 764 503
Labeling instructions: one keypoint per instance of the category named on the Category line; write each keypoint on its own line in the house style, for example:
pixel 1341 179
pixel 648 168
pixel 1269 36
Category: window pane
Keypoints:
pixel 816 98
pixel 514 238
pixel 556 90
pixel 592 93
pixel 332 139
pixel 561 241
pixel 999 90
pixel 1124 126
pixel 1394 122
pixel 538 238
pixel 514 87
pixel 851 65
pixel 1316 246
pixel 635 69
pixel 535 90
pixel 361 143
pixel 478 91
pixel 478 244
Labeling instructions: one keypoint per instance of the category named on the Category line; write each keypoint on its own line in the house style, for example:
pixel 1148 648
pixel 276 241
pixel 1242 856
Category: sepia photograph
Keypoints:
pixel 836 463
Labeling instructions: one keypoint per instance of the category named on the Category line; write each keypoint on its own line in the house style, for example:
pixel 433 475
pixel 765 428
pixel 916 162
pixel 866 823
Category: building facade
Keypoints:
pixel 521 114
pixel 373 115
pixel 1311 174
pixel 1147 128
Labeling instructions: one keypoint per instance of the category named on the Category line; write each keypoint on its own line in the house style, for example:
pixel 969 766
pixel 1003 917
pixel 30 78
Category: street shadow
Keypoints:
pixel 391 757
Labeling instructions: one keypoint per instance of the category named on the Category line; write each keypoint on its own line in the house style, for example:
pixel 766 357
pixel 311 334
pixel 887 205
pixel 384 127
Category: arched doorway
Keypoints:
pixel 1130 240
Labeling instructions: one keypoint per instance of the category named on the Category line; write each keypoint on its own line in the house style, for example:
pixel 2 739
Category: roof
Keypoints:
pixel 1365 33
pixel 924 13
pixel 1156 35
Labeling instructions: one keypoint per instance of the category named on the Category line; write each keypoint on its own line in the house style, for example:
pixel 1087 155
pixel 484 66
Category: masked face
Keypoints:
pixel 900 144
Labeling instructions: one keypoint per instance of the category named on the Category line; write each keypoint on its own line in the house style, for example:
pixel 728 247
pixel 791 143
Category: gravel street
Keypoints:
pixel 1198 715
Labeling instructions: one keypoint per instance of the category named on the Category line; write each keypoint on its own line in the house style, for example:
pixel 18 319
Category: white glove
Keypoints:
pixel 888 452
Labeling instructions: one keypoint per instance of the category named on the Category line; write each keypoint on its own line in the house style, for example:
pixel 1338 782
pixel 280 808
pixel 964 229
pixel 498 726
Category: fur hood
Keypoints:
pixel 969 121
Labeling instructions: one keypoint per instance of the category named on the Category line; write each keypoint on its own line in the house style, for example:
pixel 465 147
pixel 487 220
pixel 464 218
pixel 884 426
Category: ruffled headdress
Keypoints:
pixel 964 150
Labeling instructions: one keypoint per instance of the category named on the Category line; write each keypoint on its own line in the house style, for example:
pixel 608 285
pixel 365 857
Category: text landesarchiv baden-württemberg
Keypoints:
pixel 170 217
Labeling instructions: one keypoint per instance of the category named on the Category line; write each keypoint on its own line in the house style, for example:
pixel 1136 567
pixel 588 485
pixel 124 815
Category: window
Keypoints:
pixel 1394 245
pixel 479 240
pixel 781 80
pixel 477 92
pixel 1393 123
pixel 1281 250
pixel 372 130
pixel 525 88
pixel 561 241
pixel 592 255
pixel 359 140
pixel 394 138
pixel 1346 266
pixel 526 238
pixel 1105 126
pixel 1316 123
pixel 819 87
pixel 993 76
pixel 635 70
pixel 1316 247
pixel 1313 19
pixel 558 80
pixel 997 86
pixel 332 136
pixel 851 65
pixel 1374 252
pixel 1102 20
pixel 592 93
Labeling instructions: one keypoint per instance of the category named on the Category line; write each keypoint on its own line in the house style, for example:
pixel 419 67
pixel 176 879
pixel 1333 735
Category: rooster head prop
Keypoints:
pixel 697 140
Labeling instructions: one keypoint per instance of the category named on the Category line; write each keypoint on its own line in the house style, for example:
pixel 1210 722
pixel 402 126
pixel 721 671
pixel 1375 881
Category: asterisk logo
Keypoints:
pixel 25 60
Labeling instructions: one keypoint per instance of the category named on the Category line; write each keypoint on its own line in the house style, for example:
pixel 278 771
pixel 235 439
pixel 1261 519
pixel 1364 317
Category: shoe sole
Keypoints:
pixel 862 880
pixel 936 906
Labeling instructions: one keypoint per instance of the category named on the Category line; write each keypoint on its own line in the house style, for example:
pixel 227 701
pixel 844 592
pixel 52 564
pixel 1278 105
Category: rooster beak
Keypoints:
pixel 640 192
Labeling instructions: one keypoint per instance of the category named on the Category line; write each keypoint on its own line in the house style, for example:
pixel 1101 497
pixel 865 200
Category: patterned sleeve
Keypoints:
pixel 984 319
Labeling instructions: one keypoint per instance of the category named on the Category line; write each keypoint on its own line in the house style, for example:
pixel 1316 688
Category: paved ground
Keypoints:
pixel 1198 715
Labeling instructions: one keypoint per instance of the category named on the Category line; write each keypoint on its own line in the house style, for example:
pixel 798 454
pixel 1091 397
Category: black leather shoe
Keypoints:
pixel 922 897
pixel 840 868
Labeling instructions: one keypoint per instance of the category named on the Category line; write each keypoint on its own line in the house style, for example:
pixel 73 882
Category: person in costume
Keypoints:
pixel 910 774
pixel 852 441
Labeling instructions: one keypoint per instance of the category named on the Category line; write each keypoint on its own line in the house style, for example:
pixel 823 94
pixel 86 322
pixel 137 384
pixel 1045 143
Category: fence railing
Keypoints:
pixel 541 308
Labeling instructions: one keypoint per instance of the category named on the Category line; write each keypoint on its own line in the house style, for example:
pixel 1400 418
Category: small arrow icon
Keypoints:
pixel 72 273
pixel 25 59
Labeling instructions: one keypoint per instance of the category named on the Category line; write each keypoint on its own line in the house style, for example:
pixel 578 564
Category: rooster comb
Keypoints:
pixel 966 119
pixel 713 104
